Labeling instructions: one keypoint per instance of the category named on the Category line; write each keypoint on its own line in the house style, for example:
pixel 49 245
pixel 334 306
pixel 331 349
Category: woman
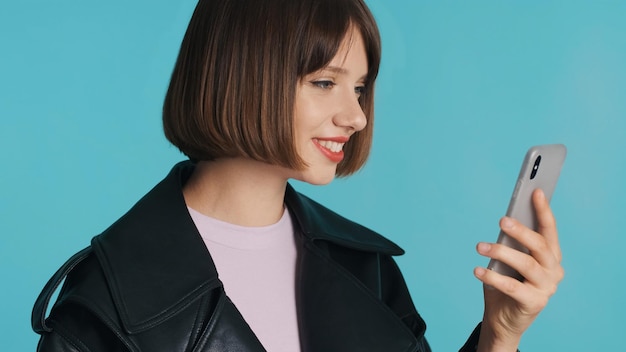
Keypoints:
pixel 223 255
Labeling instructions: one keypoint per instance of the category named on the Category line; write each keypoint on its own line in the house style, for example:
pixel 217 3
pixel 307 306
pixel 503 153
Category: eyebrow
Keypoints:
pixel 340 70
pixel 336 69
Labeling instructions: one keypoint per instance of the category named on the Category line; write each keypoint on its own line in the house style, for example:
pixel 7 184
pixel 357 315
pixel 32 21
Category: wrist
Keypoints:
pixel 491 341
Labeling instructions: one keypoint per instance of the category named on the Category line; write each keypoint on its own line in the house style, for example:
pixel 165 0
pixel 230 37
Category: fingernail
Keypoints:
pixel 483 247
pixel 540 194
pixel 507 223
pixel 479 272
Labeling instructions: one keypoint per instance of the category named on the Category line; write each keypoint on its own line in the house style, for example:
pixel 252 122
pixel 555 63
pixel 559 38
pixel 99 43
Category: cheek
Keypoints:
pixel 308 119
pixel 301 125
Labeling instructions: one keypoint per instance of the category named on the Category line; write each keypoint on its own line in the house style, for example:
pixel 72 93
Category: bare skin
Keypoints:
pixel 251 193
pixel 237 190
pixel 511 306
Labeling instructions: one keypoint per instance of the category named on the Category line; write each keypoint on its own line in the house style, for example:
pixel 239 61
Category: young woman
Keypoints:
pixel 223 255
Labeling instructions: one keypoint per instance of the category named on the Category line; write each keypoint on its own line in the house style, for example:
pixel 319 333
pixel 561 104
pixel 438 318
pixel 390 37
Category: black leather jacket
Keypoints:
pixel 148 283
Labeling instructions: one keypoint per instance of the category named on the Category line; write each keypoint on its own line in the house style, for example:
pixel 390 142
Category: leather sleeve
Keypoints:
pixel 53 342
pixel 395 294
pixel 75 329
pixel 472 342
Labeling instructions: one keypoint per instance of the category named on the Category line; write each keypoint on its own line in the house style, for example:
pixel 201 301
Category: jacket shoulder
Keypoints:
pixel 83 317
pixel 38 317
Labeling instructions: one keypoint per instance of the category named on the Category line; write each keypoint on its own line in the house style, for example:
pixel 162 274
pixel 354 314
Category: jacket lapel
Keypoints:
pixel 153 258
pixel 337 311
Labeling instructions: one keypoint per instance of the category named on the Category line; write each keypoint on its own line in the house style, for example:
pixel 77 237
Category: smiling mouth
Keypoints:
pixel 334 147
pixel 330 149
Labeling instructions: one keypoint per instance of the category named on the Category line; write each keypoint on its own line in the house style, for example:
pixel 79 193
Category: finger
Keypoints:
pixel 536 243
pixel 521 262
pixel 547 222
pixel 528 299
pixel 507 285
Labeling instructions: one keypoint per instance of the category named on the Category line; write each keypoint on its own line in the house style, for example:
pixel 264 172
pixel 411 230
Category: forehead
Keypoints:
pixel 351 53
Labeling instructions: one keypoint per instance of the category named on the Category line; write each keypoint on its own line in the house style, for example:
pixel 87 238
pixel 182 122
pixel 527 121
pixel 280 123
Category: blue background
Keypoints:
pixel 465 88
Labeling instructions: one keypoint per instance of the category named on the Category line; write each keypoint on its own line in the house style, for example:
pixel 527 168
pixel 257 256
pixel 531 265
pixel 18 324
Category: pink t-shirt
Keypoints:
pixel 258 268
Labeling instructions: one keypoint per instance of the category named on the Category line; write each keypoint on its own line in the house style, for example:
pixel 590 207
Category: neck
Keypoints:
pixel 238 191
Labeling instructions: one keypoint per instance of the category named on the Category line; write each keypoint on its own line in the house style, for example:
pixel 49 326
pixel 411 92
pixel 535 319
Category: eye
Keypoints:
pixel 324 84
pixel 360 90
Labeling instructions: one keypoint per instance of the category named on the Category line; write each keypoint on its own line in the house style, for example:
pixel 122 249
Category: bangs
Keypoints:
pixel 329 22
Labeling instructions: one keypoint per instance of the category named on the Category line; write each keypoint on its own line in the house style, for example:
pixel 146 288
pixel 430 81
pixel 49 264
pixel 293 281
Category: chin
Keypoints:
pixel 317 178
pixel 321 181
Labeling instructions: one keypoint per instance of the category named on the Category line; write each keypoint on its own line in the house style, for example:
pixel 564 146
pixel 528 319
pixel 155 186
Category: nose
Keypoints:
pixel 351 115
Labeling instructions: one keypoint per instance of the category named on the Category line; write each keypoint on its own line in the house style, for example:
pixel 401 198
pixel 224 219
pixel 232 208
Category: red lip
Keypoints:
pixel 332 156
pixel 340 139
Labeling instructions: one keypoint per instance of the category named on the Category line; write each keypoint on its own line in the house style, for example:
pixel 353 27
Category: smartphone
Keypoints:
pixel 540 169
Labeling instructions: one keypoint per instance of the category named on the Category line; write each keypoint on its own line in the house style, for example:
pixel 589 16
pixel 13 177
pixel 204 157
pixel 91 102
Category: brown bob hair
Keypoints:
pixel 232 91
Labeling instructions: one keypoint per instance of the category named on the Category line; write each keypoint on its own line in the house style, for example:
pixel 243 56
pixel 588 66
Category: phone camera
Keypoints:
pixel 533 173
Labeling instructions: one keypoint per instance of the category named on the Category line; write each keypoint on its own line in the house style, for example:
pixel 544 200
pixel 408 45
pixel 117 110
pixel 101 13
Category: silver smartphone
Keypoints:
pixel 540 169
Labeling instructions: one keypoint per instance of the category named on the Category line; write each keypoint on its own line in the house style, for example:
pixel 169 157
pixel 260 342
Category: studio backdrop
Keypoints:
pixel 465 88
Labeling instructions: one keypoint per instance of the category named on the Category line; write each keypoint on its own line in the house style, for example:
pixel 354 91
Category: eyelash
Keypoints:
pixel 325 84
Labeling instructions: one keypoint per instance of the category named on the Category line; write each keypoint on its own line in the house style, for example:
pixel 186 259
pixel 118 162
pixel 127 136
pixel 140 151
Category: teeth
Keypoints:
pixel 332 146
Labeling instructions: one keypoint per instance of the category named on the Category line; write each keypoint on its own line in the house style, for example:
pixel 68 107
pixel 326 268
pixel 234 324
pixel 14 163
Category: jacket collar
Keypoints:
pixel 155 247
pixel 320 223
